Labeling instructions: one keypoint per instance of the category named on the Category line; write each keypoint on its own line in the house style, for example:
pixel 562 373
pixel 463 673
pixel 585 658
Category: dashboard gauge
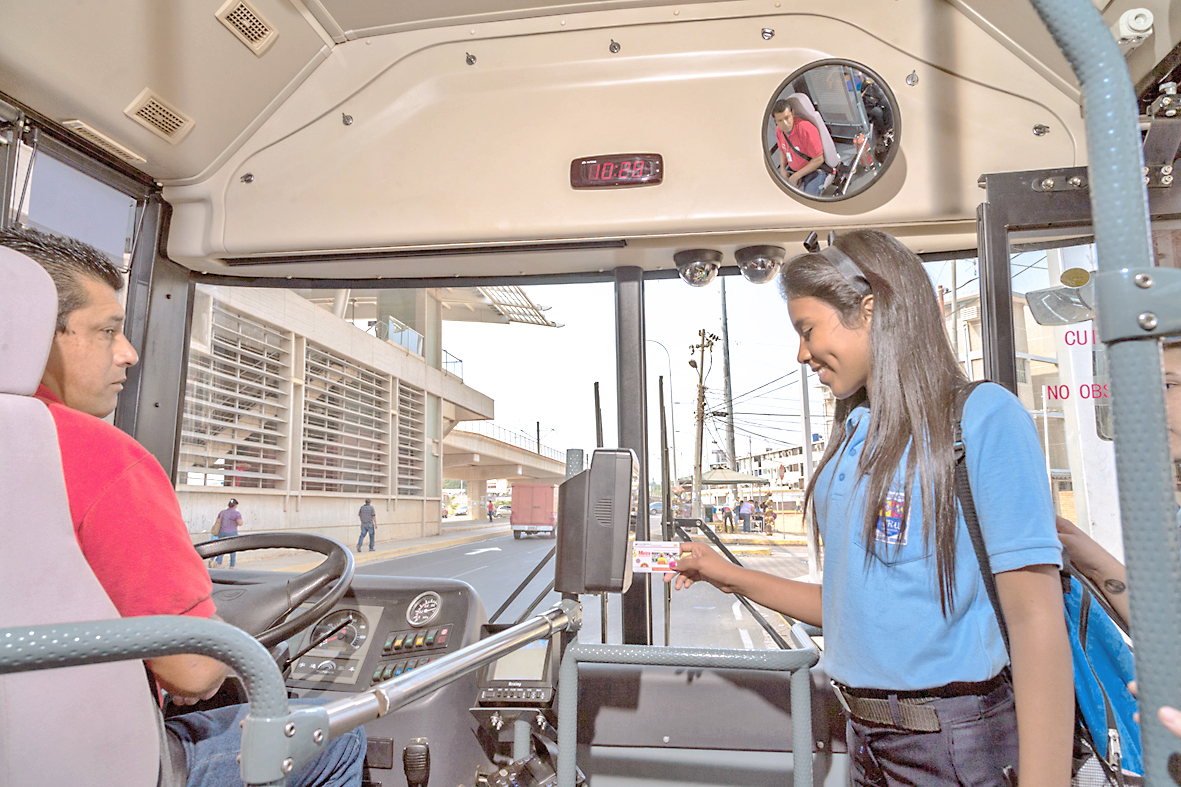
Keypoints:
pixel 423 609
pixel 351 627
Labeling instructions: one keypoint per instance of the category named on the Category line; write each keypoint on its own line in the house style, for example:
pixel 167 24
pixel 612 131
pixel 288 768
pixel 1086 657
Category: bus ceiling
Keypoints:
pixel 356 140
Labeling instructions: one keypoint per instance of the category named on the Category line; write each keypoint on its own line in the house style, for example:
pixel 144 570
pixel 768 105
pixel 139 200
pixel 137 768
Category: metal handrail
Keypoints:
pixel 798 662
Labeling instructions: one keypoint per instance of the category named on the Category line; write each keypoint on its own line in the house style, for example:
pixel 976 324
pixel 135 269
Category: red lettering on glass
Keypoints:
pixel 625 169
pixel 608 171
pixel 638 170
pixel 593 173
pixel 1057 392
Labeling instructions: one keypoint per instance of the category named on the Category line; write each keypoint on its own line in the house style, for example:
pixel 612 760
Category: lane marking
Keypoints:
pixel 746 641
pixel 469 571
pixel 737 610
pixel 485 549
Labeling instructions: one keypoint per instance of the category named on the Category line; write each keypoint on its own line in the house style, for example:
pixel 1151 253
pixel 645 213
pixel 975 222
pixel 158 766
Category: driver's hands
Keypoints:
pixel 699 562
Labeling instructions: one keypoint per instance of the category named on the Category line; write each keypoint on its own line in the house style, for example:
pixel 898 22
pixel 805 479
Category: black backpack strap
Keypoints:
pixel 963 490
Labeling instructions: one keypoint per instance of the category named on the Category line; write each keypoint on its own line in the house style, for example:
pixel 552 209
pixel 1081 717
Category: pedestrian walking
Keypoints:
pixel 491 510
pixel 368 524
pixel 225 526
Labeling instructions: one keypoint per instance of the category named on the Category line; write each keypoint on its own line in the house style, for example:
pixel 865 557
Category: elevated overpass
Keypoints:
pixel 480 451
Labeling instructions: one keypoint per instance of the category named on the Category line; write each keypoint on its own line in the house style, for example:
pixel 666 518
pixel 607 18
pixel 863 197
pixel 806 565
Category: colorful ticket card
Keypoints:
pixel 653 557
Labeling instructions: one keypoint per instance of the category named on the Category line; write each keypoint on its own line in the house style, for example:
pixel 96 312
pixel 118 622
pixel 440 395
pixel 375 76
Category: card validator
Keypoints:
pixel 597 514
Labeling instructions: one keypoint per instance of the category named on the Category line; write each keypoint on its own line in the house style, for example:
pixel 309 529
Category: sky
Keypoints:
pixel 547 375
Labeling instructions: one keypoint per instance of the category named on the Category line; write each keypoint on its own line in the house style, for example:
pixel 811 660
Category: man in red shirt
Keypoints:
pixel 801 152
pixel 126 516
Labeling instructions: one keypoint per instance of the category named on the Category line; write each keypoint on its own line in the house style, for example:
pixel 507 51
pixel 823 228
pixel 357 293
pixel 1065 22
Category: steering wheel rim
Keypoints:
pixel 335 573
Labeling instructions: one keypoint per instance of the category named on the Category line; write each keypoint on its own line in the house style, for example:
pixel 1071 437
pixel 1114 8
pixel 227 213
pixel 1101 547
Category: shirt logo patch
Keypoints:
pixel 890 529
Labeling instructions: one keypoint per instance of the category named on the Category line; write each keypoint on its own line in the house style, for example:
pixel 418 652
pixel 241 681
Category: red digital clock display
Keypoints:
pixel 629 169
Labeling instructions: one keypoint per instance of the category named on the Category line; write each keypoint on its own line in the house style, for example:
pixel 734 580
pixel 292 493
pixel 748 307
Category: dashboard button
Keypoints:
pixel 388 672
pixel 399 641
pixel 420 640
pixel 430 637
pixel 400 668
pixel 377 674
pixel 441 637
pixel 389 642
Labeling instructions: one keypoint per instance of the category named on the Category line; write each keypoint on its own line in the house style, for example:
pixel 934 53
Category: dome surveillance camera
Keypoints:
pixel 698 266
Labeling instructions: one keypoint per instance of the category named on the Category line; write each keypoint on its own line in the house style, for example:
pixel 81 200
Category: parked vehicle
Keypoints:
pixel 534 510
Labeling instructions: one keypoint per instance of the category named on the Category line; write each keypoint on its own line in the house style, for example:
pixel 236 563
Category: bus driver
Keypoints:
pixel 127 518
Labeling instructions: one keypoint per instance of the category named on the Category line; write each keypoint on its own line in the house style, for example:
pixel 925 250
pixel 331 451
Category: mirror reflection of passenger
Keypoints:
pixel 127 519
pixel 801 153
pixel 879 112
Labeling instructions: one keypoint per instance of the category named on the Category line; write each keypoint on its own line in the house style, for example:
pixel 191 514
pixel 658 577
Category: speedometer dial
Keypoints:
pixel 423 609
pixel 351 627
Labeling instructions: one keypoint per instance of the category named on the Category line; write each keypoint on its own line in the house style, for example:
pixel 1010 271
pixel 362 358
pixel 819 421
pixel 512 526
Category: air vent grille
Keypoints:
pixel 103 141
pixel 248 25
pixel 158 116
pixel 602 512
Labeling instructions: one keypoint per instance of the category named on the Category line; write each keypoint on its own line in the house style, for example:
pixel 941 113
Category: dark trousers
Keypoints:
pixel 727 522
pixel 977 740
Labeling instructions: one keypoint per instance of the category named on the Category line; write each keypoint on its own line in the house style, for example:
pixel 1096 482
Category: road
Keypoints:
pixel 701 616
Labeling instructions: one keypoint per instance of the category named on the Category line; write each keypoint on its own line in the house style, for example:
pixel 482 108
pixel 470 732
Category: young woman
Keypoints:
pixel 911 640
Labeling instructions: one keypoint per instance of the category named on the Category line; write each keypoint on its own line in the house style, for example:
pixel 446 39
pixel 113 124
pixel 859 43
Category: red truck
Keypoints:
pixel 535 510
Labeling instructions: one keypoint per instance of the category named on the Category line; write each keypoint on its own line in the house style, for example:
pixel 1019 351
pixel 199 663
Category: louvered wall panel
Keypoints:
pixel 411 439
pixel 235 426
pixel 345 425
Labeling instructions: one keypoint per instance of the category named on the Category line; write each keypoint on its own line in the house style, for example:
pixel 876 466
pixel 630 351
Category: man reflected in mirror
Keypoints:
pixel 801 152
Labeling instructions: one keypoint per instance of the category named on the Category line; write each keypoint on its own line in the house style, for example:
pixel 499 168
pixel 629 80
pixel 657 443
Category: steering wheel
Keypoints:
pixel 258 606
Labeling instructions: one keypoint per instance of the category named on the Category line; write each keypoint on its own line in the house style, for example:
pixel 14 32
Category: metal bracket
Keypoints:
pixel 573 610
pixel 1159 177
pixel 278 746
pixel 1137 302
pixel 1064 182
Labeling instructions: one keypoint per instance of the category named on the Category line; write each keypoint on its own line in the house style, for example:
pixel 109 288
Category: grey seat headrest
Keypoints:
pixel 28 301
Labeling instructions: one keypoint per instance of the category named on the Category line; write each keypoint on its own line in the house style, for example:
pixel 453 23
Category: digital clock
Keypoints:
pixel 628 169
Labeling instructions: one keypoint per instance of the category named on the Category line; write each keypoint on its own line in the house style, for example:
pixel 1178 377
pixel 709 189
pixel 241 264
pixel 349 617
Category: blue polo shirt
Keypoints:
pixel 883 626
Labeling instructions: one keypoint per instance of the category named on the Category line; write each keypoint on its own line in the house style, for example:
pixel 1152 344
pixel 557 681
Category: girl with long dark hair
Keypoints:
pixel 911 640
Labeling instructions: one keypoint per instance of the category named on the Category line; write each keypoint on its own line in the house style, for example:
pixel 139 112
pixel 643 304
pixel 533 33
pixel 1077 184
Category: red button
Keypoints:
pixel 441 639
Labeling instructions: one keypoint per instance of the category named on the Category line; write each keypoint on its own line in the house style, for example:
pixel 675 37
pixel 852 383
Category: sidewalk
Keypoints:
pixel 457 533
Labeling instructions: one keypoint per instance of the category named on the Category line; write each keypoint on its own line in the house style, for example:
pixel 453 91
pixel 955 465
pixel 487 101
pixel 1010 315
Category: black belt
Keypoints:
pixel 909 710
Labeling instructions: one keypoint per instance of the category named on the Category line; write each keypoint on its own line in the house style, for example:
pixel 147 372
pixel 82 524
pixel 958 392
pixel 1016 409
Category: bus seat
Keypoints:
pixel 801 106
pixel 89 725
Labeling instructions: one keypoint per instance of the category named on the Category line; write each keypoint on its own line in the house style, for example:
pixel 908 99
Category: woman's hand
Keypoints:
pixel 699 562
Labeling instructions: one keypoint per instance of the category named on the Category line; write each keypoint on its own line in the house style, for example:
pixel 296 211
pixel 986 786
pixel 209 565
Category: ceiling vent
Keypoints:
pixel 96 137
pixel 158 116
pixel 248 25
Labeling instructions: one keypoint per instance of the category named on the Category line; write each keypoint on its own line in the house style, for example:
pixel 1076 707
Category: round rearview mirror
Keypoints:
pixel 831 130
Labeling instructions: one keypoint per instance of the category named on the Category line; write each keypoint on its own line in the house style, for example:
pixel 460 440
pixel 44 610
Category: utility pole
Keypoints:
pixel 813 551
pixel 730 450
pixel 539 438
pixel 707 343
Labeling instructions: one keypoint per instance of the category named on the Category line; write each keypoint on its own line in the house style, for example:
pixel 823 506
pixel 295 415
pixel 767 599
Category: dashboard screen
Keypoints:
pixel 528 663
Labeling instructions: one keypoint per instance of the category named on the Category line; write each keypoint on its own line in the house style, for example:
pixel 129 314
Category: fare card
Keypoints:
pixel 653 557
